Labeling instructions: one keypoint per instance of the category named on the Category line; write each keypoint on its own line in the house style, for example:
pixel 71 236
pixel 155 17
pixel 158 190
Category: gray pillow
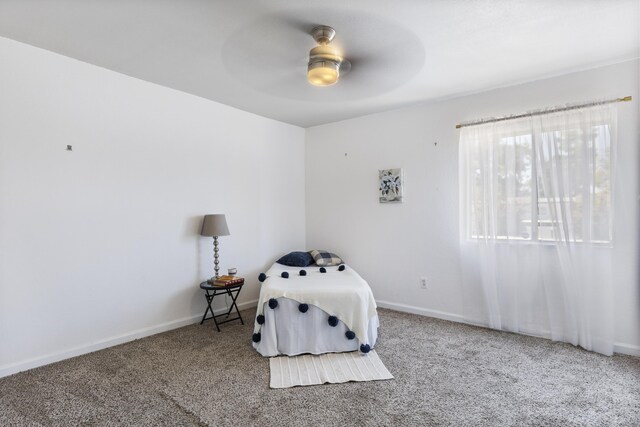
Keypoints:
pixel 325 259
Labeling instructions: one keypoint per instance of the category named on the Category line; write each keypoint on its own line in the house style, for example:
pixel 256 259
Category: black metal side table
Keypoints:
pixel 211 291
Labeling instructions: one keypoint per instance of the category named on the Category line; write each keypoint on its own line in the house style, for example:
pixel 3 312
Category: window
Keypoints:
pixel 542 181
pixel 510 177
pixel 585 159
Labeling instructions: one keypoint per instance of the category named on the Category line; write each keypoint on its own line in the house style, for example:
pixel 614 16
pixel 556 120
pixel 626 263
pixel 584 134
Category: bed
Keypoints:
pixel 318 312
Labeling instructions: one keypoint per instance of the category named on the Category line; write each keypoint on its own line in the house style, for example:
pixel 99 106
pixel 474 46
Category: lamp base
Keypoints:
pixel 216 266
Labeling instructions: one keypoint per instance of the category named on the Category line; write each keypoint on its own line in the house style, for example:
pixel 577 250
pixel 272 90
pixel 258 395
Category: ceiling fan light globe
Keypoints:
pixel 323 73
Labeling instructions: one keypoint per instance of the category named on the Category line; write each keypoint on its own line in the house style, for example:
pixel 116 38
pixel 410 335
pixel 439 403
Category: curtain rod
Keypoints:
pixel 539 113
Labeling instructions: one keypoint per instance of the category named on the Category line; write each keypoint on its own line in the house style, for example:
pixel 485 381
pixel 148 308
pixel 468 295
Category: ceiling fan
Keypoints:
pixel 274 55
pixel 325 64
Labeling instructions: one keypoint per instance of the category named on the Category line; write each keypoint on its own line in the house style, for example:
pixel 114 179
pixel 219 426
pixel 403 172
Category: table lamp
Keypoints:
pixel 215 225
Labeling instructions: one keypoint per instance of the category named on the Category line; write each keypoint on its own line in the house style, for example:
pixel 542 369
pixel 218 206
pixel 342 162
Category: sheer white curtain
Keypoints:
pixel 536 225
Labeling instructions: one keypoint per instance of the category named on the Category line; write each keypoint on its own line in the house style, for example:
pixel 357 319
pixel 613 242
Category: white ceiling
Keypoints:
pixel 251 54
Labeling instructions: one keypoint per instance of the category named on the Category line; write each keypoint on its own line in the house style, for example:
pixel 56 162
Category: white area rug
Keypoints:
pixel 309 369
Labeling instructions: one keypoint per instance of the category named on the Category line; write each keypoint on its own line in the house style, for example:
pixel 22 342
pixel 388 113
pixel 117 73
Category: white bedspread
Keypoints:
pixel 343 294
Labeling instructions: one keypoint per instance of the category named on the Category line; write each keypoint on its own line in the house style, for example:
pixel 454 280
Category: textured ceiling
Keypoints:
pixel 252 54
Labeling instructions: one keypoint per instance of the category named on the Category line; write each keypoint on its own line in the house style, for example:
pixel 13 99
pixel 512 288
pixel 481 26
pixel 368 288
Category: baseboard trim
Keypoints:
pixel 620 348
pixel 421 311
pixel 35 362
pixel 631 350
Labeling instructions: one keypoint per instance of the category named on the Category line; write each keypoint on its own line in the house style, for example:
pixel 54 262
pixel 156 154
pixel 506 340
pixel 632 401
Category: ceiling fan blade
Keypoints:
pixel 301 25
pixel 345 67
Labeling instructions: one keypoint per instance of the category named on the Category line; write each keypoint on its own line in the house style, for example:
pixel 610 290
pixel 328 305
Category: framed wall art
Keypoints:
pixel 390 186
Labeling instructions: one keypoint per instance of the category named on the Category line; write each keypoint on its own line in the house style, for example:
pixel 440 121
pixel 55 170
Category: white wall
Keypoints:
pixel 393 245
pixel 100 245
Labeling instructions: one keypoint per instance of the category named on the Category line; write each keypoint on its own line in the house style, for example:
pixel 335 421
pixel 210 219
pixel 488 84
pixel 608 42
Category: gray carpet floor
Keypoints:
pixel 445 374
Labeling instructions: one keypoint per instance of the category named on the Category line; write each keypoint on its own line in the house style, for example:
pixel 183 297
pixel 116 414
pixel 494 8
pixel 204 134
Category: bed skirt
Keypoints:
pixel 290 332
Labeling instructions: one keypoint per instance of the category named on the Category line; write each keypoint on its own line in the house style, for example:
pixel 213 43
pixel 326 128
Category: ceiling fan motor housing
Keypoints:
pixel 323 34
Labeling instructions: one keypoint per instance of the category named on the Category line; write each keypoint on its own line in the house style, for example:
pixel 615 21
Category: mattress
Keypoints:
pixel 316 313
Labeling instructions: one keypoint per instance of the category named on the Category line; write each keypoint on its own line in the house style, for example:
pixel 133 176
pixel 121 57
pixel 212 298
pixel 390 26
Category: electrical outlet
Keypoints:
pixel 423 283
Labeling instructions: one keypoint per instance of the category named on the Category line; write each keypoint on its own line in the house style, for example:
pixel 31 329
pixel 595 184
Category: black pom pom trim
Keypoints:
pixel 333 321
pixel 262 277
pixel 341 268
pixel 365 348
pixel 323 270
pixel 303 308
pixel 350 335
pixel 256 337
pixel 284 275
pixel 273 303
pixel 303 272
pixel 260 319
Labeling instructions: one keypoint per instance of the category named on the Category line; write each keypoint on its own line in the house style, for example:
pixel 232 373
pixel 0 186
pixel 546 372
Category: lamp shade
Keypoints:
pixel 214 225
